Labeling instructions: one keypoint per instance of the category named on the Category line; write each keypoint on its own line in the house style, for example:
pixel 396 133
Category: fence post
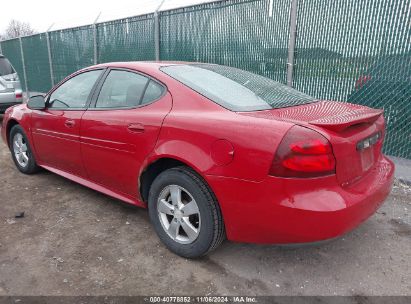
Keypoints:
pixel 157 32
pixel 291 43
pixel 95 37
pixel 24 68
pixel 156 36
pixel 50 59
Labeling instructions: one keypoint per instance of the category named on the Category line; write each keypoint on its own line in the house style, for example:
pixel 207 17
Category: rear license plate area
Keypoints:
pixel 366 149
pixel 367 158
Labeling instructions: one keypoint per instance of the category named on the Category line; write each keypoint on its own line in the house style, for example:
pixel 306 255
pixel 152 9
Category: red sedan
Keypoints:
pixel 214 152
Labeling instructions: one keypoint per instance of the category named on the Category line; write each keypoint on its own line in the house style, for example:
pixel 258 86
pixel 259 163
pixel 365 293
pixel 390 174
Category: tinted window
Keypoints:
pixel 122 89
pixel 236 89
pixel 153 92
pixel 5 67
pixel 74 92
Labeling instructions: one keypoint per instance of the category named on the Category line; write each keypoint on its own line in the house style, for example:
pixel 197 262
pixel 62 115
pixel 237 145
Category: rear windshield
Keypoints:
pixel 235 89
pixel 5 67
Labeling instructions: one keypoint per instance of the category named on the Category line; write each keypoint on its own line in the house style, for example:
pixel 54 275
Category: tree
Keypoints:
pixel 17 29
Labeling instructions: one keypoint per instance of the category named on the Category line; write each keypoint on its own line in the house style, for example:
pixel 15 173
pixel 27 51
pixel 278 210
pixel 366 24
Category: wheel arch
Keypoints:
pixel 10 124
pixel 158 165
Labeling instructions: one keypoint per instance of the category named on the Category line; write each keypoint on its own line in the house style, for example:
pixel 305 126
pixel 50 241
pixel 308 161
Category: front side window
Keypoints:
pixel 235 89
pixel 122 89
pixel 75 92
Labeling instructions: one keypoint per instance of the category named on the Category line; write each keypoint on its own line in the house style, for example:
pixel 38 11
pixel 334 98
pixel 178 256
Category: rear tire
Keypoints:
pixel 21 151
pixel 185 213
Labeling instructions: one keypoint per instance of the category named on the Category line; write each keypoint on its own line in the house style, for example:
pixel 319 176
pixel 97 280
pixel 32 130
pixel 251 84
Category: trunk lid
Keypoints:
pixel 355 132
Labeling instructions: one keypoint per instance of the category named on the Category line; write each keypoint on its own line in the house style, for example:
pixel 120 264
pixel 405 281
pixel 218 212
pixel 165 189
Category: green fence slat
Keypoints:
pixel 126 39
pixel 71 50
pixel 359 51
pixel 233 33
pixel 37 63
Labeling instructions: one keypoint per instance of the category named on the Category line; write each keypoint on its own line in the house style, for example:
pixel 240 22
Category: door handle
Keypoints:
pixel 136 128
pixel 69 123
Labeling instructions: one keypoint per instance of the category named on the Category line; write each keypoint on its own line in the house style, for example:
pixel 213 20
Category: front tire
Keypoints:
pixel 21 151
pixel 185 213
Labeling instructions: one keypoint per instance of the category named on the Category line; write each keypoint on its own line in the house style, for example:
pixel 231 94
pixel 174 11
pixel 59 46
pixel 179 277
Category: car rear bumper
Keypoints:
pixel 279 210
pixel 8 99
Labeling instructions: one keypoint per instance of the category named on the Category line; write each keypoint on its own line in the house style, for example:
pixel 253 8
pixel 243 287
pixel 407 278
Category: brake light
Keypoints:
pixel 362 81
pixel 303 153
pixel 19 95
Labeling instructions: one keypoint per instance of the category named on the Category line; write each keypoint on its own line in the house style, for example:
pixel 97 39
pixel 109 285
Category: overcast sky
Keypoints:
pixel 40 14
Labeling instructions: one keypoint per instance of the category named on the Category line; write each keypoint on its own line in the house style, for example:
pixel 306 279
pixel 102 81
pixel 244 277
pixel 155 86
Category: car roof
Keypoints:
pixel 142 64
pixel 149 67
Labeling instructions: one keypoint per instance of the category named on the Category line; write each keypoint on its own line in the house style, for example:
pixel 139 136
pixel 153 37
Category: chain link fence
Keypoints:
pixel 348 50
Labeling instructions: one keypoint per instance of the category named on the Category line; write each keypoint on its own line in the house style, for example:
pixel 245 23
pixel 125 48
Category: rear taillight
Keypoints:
pixel 362 81
pixel 19 95
pixel 303 153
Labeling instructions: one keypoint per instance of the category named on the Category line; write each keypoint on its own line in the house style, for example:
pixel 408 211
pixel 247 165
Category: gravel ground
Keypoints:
pixel 75 241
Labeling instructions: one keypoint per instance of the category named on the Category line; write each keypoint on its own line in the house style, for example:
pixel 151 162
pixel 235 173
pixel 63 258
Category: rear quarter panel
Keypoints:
pixel 194 125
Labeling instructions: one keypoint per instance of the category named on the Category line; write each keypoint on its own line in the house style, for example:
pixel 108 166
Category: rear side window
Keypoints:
pixel 122 89
pixel 235 89
pixel 153 92
pixel 5 67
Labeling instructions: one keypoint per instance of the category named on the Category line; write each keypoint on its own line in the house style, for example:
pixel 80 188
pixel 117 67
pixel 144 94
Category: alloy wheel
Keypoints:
pixel 179 214
pixel 20 150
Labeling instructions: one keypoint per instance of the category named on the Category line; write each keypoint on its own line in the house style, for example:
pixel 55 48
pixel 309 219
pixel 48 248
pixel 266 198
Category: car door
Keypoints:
pixel 121 128
pixel 56 130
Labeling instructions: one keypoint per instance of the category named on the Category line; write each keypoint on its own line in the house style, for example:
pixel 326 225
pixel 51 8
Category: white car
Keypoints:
pixel 10 87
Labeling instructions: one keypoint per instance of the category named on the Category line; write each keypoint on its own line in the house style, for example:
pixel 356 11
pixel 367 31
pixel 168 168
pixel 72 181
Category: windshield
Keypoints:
pixel 5 67
pixel 235 89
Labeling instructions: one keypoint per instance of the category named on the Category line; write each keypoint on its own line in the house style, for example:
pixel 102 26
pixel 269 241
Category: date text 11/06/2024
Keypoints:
pixel 205 299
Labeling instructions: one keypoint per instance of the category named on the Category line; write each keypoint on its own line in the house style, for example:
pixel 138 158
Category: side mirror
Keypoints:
pixel 37 102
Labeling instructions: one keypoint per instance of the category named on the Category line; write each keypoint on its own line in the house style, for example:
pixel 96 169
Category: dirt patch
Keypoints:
pixel 401 228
